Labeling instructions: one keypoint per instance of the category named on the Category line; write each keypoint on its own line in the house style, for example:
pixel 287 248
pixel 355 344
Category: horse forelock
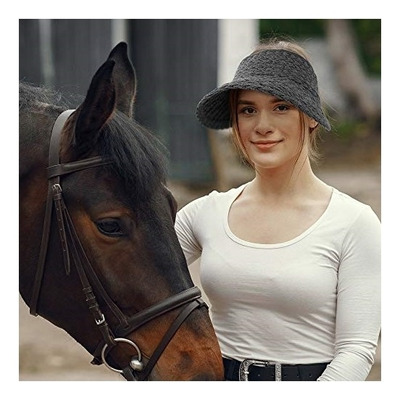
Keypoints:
pixel 137 156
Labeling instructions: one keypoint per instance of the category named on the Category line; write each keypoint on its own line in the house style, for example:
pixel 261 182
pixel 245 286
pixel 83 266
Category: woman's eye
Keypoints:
pixel 109 227
pixel 282 107
pixel 247 110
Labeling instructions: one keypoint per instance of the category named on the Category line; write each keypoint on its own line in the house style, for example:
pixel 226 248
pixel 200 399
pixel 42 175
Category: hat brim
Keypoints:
pixel 213 110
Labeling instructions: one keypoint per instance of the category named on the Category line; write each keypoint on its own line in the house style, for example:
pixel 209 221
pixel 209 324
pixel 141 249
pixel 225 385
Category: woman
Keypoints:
pixel 291 266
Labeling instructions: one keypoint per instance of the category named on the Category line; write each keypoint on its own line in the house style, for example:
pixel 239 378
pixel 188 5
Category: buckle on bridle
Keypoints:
pixel 246 364
pixel 101 320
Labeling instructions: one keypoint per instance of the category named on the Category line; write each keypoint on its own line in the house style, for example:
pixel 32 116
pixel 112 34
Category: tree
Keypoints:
pixel 352 78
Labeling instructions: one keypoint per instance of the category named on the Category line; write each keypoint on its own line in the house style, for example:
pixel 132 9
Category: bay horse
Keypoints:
pixel 99 256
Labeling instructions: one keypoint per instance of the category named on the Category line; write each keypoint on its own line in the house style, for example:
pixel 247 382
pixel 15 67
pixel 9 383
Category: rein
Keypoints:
pixel 72 247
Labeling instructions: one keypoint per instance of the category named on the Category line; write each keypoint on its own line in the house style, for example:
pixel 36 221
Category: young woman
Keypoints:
pixel 291 265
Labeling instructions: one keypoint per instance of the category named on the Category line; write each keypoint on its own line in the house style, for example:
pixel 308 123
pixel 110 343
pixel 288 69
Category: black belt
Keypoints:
pixel 254 371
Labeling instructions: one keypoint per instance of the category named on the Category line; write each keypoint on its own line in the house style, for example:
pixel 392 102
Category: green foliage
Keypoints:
pixel 347 130
pixel 294 28
pixel 367 32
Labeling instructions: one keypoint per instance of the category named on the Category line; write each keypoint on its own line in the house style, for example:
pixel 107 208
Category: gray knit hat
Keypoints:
pixel 281 73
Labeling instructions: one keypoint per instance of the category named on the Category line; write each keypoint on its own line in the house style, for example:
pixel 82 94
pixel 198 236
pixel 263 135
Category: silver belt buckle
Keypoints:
pixel 246 364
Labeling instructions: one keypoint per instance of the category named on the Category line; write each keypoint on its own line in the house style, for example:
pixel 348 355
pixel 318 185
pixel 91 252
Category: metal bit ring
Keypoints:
pixel 123 340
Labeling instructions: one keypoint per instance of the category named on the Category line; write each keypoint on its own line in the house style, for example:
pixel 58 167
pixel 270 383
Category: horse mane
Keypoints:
pixel 32 97
pixel 137 156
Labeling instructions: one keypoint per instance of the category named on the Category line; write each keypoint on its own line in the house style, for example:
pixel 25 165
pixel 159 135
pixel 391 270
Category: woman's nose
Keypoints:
pixel 264 124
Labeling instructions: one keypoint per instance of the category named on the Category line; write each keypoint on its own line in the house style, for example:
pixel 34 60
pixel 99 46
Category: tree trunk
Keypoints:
pixel 351 76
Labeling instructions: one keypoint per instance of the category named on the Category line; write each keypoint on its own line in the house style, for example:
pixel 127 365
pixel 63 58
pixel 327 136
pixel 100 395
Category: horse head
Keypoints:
pixel 117 221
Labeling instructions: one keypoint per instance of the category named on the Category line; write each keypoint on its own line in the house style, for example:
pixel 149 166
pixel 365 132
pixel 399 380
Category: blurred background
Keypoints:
pixel 177 61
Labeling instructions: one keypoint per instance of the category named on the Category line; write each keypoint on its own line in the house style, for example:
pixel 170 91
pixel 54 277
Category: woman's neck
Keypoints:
pixel 286 182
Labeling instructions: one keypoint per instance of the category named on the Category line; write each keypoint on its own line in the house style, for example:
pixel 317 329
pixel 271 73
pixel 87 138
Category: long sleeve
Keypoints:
pixel 358 302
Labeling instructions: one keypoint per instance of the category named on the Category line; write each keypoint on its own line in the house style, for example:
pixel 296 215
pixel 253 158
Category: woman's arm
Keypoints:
pixel 358 302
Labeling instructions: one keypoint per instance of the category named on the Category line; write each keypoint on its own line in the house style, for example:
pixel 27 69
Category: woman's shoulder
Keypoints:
pixel 346 201
pixel 218 196
pixel 212 201
pixel 351 209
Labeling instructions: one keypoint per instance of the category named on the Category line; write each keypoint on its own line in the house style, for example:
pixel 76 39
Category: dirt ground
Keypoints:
pixel 47 353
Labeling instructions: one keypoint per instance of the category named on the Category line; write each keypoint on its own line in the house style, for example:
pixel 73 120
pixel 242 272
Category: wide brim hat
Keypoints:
pixel 281 73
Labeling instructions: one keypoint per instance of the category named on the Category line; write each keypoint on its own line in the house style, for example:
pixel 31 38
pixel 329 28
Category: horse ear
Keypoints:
pixel 124 78
pixel 97 108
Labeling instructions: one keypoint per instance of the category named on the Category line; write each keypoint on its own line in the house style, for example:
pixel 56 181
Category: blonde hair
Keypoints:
pixel 312 137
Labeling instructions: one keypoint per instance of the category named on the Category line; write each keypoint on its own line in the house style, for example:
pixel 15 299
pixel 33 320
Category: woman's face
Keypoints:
pixel 271 130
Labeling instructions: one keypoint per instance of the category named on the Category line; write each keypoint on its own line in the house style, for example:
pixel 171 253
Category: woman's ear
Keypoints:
pixel 312 124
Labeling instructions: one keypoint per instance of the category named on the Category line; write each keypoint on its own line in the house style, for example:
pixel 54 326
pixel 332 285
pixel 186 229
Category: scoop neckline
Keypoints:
pixel 290 242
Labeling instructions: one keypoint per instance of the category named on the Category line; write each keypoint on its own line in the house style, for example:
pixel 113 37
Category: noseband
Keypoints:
pixel 71 246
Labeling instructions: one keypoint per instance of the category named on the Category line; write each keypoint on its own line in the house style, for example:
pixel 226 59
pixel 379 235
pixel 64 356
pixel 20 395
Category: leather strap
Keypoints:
pixel 169 335
pixel 85 270
pixel 53 159
pixel 56 170
pixel 171 303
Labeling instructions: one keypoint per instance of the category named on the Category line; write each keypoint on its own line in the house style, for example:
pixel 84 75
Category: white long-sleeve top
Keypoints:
pixel 312 299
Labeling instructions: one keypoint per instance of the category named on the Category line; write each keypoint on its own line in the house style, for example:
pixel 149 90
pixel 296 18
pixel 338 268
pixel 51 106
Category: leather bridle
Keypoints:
pixel 71 246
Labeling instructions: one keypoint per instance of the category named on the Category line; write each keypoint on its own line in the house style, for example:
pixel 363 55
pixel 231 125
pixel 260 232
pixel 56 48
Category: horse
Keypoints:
pixel 99 256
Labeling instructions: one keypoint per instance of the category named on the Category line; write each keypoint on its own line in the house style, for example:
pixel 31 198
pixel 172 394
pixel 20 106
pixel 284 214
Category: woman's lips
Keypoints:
pixel 265 145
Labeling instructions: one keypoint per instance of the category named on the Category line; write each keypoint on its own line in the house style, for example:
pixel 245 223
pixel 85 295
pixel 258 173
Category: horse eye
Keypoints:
pixel 109 227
